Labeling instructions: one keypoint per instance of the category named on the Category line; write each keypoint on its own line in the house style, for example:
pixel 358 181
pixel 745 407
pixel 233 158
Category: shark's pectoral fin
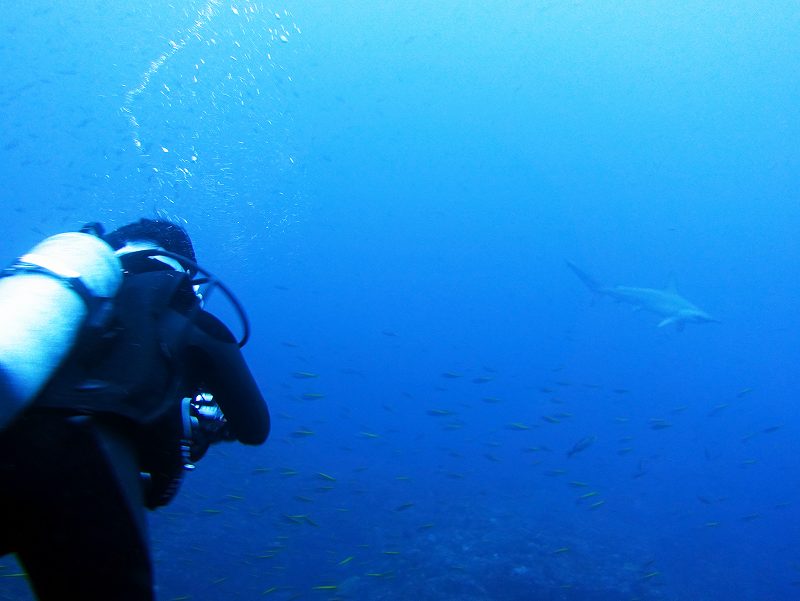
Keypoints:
pixel 676 319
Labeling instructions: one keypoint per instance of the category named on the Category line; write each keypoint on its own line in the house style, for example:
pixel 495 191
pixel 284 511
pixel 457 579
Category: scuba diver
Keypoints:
pixel 114 380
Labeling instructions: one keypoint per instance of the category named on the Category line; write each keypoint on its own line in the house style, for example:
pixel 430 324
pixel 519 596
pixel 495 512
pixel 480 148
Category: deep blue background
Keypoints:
pixel 392 190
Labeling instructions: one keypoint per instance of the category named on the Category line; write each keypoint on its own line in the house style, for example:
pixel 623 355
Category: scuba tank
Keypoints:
pixel 47 297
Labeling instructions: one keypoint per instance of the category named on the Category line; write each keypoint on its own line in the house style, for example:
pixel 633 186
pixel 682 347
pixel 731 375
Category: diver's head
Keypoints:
pixel 153 234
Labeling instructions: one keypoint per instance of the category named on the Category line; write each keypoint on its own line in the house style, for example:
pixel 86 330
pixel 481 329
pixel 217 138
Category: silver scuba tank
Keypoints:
pixel 46 297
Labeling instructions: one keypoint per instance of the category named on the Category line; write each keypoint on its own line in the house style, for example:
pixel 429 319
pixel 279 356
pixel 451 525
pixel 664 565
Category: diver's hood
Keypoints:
pixel 139 245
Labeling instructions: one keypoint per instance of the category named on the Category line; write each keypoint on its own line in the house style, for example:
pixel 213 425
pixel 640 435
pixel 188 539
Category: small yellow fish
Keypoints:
pixel 295 519
pixel 346 560
pixel 302 433
pixel 518 426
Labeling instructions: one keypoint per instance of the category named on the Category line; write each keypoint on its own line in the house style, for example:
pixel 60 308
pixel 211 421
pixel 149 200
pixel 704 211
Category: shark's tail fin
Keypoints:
pixel 591 283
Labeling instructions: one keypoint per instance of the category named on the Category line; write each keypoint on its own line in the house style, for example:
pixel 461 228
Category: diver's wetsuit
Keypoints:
pixel 71 493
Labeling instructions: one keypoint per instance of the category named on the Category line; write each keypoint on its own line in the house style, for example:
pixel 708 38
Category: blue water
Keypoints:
pixel 393 189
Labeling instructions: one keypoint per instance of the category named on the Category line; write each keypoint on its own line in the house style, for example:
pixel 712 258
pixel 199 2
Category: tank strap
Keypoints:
pixel 99 308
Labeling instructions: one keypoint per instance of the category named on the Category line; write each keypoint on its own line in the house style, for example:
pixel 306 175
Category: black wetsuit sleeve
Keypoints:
pixel 8 395
pixel 215 359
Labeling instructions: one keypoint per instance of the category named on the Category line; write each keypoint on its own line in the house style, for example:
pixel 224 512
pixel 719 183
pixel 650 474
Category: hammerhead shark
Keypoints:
pixel 667 303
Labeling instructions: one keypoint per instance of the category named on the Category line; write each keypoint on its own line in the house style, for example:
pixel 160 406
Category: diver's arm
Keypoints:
pixel 214 354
